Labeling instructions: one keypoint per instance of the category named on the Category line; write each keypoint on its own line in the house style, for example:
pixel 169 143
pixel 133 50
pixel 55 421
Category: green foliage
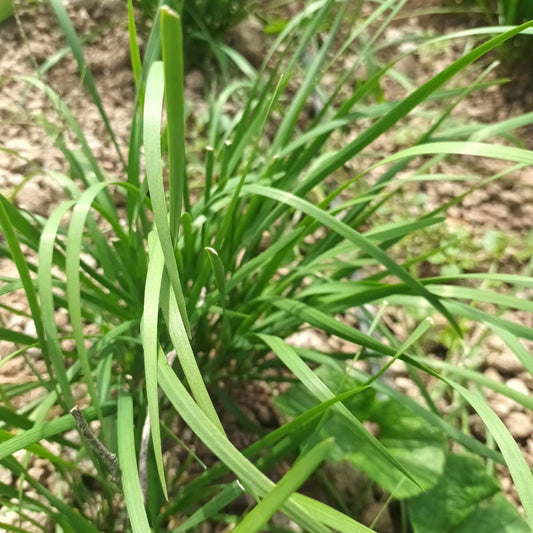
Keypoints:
pixel 205 24
pixel 508 13
pixel 406 436
pixel 6 9
pixel 195 287
pixel 466 499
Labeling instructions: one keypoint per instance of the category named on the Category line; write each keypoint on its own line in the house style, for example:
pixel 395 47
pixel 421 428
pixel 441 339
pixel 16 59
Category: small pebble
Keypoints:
pixel 493 374
pixel 505 363
pixel 502 405
pixel 517 385
pixel 520 425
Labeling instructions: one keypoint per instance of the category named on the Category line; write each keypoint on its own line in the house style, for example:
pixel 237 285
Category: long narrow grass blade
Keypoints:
pixel 268 442
pixel 178 336
pixel 228 494
pixel 74 246
pixel 73 125
pixel 44 276
pixel 414 337
pixel 469 443
pixel 493 151
pixel 41 451
pixel 128 465
pixel 49 431
pixel 149 334
pixel 403 108
pixel 220 280
pixel 135 55
pixel 70 519
pixel 517 347
pixel 24 273
pixel 88 80
pixel 480 295
pixel 479 378
pixel 309 84
pixel 289 483
pixel 518 467
pixel 172 49
pixel 470 312
pixel 355 237
pixel 154 173
pixel 330 516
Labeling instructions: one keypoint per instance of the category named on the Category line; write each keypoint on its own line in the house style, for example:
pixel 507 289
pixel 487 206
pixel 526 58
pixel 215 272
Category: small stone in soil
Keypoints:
pixel 519 425
pixel 505 363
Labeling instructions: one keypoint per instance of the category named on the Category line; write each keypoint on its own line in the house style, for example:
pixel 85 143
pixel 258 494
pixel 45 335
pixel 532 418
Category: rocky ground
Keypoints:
pixel 28 155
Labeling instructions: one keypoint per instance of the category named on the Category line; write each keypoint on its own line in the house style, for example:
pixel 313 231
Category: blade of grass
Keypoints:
pixel 72 519
pixel 322 393
pixel 517 347
pixel 479 378
pixel 352 235
pixel 403 108
pixel 220 280
pixel 180 341
pixel 228 494
pixel 128 465
pixel 253 479
pixel 518 468
pixel 413 337
pixel 149 335
pixel 506 153
pixel 337 159
pixel 154 173
pixel 288 484
pixel 135 55
pixel 49 431
pixel 466 441
pixel 44 276
pixel 330 516
pixel 72 270
pixel 29 289
pixel 172 49
pixel 85 72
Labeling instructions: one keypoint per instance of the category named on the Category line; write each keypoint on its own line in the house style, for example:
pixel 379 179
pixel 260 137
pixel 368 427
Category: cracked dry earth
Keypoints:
pixel 29 159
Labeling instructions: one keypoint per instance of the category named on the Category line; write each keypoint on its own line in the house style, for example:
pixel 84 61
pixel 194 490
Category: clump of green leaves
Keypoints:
pixel 205 23
pixel 188 291
pixel 509 13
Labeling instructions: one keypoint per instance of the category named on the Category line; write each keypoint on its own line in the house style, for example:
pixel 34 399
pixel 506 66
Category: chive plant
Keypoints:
pixel 190 291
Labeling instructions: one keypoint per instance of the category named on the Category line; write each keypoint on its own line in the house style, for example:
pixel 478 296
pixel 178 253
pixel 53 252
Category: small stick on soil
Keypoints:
pixel 90 438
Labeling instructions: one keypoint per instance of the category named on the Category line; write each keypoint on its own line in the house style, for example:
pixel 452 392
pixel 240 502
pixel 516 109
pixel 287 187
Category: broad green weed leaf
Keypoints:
pixel 496 515
pixel 466 499
pixel 409 439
